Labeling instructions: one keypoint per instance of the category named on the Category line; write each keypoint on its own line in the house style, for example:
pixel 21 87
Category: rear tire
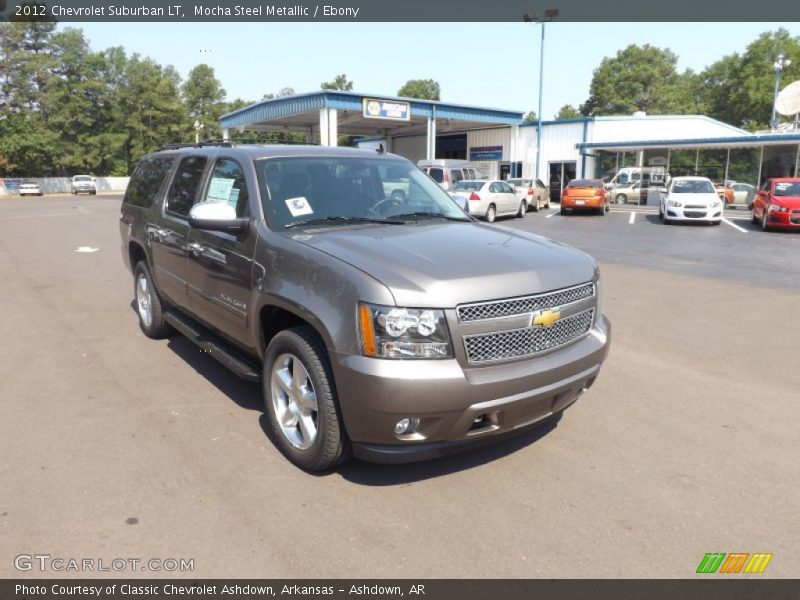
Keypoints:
pixel 491 214
pixel 149 306
pixel 537 205
pixel 300 401
pixel 753 217
pixel 563 211
pixel 620 199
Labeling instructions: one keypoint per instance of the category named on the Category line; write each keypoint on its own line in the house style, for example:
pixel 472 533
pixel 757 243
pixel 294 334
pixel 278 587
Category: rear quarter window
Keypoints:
pixel 146 181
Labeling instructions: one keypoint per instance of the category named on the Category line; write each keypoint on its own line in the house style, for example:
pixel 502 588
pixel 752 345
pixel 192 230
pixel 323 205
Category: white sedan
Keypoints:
pixel 690 199
pixel 488 198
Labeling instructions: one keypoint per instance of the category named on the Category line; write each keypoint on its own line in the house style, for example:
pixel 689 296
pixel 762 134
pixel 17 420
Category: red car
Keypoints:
pixel 777 204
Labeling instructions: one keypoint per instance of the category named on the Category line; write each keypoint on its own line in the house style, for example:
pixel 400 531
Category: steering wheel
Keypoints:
pixel 381 207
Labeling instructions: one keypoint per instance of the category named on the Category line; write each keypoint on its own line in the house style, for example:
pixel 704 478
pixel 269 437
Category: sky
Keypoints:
pixel 493 65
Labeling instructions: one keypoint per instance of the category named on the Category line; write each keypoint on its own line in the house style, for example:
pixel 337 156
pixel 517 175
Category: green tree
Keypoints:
pixel 340 82
pixel 531 117
pixel 204 98
pixel 638 78
pixel 567 112
pixel 738 89
pixel 426 89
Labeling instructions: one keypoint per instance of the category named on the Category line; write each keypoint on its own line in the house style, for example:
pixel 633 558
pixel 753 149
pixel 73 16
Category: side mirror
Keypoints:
pixel 217 216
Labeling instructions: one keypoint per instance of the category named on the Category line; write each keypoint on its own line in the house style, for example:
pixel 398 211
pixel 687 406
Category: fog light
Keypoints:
pixel 404 426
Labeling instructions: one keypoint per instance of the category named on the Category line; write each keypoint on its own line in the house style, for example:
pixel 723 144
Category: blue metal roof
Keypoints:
pixel 286 106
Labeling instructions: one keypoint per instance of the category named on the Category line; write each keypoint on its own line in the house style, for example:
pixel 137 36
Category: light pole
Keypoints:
pixel 197 127
pixel 549 15
pixel 778 66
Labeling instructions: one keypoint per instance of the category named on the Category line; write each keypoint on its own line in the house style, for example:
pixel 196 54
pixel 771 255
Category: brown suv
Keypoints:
pixel 392 329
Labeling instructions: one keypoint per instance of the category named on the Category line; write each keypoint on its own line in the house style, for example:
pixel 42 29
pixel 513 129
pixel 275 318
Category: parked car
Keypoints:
pixel 777 204
pixel 743 193
pixel 629 192
pixel 383 331
pixel 447 172
pixel 489 198
pixel 584 195
pixel 533 192
pixel 83 184
pixel 30 188
pixel 724 192
pixel 690 199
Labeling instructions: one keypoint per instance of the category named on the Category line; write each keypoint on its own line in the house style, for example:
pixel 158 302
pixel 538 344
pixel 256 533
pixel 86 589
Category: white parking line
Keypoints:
pixel 553 213
pixel 734 225
pixel 632 218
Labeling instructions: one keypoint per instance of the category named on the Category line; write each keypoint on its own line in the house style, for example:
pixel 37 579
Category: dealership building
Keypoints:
pixel 502 144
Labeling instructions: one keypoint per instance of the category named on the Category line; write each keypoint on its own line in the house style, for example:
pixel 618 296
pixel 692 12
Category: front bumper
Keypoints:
pixel 787 220
pixel 684 213
pixel 447 399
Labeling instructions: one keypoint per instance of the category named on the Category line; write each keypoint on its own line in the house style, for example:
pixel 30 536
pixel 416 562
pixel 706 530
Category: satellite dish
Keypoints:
pixel 788 101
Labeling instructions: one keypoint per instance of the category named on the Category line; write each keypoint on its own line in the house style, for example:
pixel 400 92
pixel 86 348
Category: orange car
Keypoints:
pixel 585 194
pixel 724 192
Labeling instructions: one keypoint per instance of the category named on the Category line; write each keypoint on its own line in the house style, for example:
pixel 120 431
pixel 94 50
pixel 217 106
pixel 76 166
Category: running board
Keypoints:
pixel 213 347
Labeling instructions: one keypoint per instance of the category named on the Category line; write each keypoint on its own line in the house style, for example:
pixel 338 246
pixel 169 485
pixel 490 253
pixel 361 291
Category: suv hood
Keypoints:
pixel 441 265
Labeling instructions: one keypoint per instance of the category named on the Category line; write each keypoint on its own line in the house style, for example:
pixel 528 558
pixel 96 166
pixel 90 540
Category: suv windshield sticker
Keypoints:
pixel 298 206
pixel 219 190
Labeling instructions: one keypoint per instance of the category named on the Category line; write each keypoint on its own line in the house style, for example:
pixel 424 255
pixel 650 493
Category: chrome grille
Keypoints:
pixel 518 343
pixel 523 305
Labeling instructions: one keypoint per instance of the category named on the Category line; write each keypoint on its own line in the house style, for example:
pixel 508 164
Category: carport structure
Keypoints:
pixel 326 114
pixel 750 158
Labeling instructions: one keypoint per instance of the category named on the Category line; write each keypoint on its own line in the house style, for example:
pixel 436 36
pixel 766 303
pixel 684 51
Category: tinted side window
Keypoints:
pixel 437 175
pixel 227 184
pixel 184 187
pixel 456 175
pixel 146 181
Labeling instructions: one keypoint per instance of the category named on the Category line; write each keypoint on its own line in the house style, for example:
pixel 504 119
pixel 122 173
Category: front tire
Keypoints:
pixel 149 306
pixel 764 220
pixel 620 199
pixel 491 214
pixel 523 208
pixel 300 401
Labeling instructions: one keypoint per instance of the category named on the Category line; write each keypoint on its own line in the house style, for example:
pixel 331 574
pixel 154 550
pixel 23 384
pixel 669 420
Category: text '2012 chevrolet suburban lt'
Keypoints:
pixel 392 329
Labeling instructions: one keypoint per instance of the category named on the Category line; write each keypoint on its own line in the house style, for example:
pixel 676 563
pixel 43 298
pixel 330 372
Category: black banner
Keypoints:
pixel 718 588
pixel 393 10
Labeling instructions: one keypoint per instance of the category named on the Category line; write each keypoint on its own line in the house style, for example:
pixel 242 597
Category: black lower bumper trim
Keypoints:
pixel 399 454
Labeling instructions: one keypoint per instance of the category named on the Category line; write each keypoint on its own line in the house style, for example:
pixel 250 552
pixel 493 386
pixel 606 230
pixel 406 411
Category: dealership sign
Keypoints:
pixel 486 153
pixel 386 109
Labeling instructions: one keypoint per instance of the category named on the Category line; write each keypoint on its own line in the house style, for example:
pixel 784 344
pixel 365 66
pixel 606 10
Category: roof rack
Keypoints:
pixel 218 142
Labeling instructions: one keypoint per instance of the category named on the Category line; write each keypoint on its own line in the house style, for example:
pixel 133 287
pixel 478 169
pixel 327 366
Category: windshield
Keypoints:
pixel 520 182
pixel 467 186
pixel 787 188
pixel 342 190
pixel 692 186
pixel 82 178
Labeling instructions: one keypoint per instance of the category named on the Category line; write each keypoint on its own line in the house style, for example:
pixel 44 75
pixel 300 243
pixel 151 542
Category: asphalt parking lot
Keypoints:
pixel 114 445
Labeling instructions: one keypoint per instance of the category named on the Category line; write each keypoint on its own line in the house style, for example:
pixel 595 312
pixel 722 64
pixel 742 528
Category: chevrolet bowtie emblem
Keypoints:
pixel 545 318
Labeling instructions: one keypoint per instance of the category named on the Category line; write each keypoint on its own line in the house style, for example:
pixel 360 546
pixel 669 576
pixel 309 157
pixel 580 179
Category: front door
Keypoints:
pixel 220 265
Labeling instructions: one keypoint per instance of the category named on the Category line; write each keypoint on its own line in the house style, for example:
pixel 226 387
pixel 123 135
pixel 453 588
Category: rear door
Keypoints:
pixel 220 265
pixel 170 235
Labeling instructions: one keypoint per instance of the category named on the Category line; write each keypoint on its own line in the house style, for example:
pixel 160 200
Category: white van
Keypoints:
pixel 448 171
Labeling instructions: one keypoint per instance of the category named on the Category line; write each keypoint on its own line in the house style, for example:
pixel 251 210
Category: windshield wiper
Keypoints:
pixel 342 219
pixel 434 215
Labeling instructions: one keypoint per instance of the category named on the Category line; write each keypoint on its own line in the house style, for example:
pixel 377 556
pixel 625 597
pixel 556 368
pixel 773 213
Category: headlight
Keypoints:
pixel 392 332
pixel 675 203
pixel 777 208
